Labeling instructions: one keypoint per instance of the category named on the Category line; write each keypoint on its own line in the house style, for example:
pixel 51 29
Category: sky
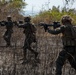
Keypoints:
pixel 37 5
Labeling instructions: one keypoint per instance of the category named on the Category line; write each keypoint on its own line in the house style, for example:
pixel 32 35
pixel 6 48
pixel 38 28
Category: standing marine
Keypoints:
pixel 9 30
pixel 69 44
pixel 30 37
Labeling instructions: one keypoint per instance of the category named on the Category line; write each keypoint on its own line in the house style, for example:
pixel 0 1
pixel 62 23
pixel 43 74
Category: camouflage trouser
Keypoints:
pixel 67 53
pixel 7 37
pixel 27 45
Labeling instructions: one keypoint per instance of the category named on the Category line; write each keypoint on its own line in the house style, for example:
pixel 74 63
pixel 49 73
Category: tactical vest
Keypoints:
pixel 67 37
pixel 29 29
pixel 9 25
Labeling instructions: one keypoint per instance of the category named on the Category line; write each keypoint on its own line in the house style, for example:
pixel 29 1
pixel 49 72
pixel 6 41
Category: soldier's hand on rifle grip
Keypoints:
pixel 45 27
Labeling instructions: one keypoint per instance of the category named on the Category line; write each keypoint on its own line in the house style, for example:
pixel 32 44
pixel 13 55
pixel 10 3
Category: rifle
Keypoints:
pixel 54 25
pixel 17 23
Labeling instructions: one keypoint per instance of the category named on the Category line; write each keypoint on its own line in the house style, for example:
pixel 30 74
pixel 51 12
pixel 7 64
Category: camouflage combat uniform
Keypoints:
pixel 69 46
pixel 30 34
pixel 9 30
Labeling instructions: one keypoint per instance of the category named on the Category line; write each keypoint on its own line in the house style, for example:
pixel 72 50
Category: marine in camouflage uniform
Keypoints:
pixel 69 45
pixel 30 34
pixel 9 30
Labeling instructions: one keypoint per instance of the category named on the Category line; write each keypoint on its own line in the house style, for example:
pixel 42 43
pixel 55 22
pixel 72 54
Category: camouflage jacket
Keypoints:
pixel 66 34
pixel 29 29
pixel 8 24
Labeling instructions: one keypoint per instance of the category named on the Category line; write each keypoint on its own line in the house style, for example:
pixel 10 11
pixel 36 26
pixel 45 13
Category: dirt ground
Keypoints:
pixel 48 47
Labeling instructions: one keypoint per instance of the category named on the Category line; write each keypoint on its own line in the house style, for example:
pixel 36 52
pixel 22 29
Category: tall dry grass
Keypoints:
pixel 48 47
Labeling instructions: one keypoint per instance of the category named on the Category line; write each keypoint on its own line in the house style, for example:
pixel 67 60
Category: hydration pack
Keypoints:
pixel 73 28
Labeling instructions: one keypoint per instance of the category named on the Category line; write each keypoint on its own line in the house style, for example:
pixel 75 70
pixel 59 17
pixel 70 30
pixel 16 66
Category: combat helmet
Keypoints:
pixel 66 19
pixel 9 17
pixel 27 19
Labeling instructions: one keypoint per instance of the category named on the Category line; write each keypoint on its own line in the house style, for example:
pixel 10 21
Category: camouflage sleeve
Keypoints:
pixel 21 25
pixel 15 23
pixel 56 31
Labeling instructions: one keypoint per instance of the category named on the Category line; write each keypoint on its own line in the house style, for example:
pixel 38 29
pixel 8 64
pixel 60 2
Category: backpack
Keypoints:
pixel 73 29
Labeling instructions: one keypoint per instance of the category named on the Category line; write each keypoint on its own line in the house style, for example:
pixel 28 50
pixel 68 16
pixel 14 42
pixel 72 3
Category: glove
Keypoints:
pixel 45 28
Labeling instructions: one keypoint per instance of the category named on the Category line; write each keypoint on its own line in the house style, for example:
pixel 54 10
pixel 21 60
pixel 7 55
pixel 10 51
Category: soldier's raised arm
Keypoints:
pixel 56 31
pixel 20 24
pixel 3 23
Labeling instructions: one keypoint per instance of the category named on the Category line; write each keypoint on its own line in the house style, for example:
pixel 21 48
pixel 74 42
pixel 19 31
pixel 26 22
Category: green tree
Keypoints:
pixel 12 4
pixel 55 14
pixel 12 7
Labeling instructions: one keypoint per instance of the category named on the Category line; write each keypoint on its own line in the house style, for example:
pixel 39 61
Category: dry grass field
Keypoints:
pixel 48 47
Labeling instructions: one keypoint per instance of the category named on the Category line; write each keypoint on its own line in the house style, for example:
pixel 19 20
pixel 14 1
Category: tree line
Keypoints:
pixel 14 7
pixel 55 14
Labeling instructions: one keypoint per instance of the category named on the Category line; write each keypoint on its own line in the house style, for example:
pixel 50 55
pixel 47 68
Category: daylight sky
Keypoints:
pixel 37 5
pixel 34 6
